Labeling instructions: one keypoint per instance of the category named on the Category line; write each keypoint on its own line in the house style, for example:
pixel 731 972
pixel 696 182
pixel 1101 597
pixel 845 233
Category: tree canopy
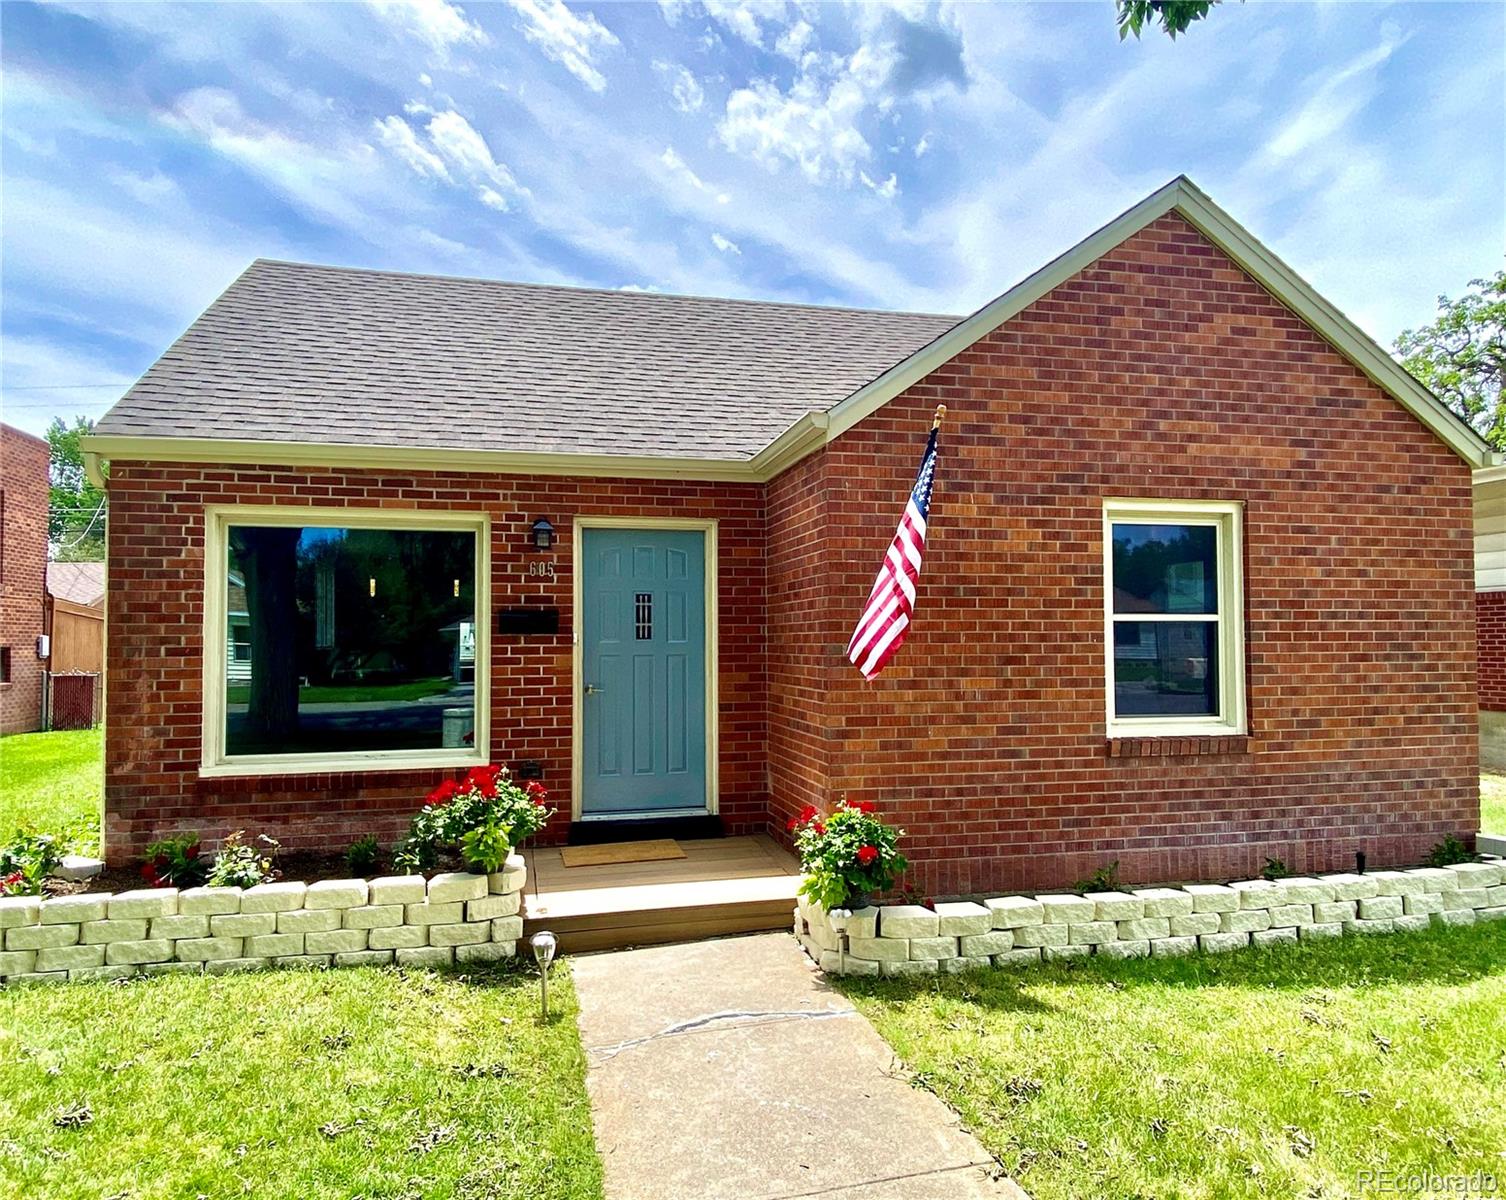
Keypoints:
pixel 76 510
pixel 1175 16
pixel 1461 356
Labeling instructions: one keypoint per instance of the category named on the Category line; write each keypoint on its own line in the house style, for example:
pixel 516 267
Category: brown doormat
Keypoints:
pixel 620 852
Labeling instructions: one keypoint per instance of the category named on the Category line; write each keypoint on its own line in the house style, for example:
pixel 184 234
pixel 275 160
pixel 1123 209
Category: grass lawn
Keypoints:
pixel 53 782
pixel 1281 1072
pixel 1493 803
pixel 358 1082
pixel 356 692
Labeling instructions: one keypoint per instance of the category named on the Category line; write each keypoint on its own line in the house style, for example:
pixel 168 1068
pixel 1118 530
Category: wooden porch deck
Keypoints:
pixel 721 886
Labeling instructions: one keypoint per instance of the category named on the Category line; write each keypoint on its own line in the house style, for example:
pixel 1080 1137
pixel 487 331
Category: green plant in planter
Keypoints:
pixel 174 862
pixel 238 865
pixel 26 861
pixel 483 815
pixel 846 855
pixel 1449 851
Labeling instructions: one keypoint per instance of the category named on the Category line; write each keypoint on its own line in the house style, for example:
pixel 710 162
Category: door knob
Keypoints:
pixel 592 689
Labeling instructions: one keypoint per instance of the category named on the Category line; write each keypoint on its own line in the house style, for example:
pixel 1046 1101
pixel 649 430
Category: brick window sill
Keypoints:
pixel 1177 747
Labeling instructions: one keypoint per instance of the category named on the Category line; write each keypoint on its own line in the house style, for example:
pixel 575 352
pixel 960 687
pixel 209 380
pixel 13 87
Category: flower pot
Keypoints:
pixel 858 900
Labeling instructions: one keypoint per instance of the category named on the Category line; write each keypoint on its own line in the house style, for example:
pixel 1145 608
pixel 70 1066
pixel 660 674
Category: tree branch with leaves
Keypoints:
pixel 1461 356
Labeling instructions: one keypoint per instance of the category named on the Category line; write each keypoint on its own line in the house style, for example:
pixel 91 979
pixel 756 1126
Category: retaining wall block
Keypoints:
pixel 1411 924
pixel 956 966
pixel 179 927
pixel 144 902
pixel 1366 925
pixel 426 956
pixel 148 950
pixel 1491 914
pixel 336 893
pixel 70 958
pixel 1175 947
pixel 434 914
pixel 1303 889
pixel 1396 883
pixel 309 920
pixel 373 916
pixel 456 885
pixel 1221 943
pixel 274 945
pixel 864 922
pixel 1423 904
pixel 1164 902
pixel 511 877
pixel 1130 949
pixel 19 910
pixel 1019 957
pixel 879 949
pixel 484 952
pixel 956 919
pixel 1455 916
pixel 463 935
pixel 501 905
pixel 363 958
pixel 1436 879
pixel 1467 897
pixel 1246 920
pixel 907 921
pixel 1144 928
pixel 1212 897
pixel 1383 907
pixel 335 941
pixel 1335 911
pixel 1288 916
pixel 209 901
pixel 234 966
pixel 94 974
pixel 396 889
pixel 504 929
pixel 1116 906
pixel 1013 912
pixel 40 937
pixel 1322 929
pixel 172 968
pixel 17 962
pixel 913 966
pixel 399 937
pixel 1351 887
pixel 1066 910
pixel 1477 874
pixel 1256 893
pixel 97 933
pixel 996 941
pixel 37 977
pixel 243 924
pixel 73 910
pixel 1040 936
pixel 209 949
pixel 283 896
pixel 1194 924
pixel 933 947
pixel 1091 933
pixel 1275 937
pixel 304 962
pixel 1056 953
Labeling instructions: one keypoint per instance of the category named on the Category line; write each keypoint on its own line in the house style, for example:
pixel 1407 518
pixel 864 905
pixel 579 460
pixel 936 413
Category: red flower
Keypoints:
pixel 866 854
pixel 443 794
pixel 537 792
pixel 819 827
pixel 481 779
pixel 14 879
pixel 806 813
pixel 790 825
pixel 866 806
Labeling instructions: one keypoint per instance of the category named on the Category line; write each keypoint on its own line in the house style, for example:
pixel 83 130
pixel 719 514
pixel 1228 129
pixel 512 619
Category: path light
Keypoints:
pixel 543 944
pixel 839 918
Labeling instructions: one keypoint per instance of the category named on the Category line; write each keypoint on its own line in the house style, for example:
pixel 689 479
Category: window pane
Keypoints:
pixel 1165 668
pixel 349 639
pixel 1165 568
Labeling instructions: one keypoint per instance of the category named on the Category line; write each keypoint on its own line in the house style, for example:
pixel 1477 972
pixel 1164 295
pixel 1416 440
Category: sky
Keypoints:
pixel 895 155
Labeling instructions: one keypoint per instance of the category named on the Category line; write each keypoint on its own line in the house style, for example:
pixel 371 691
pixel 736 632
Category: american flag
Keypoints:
pixel 886 617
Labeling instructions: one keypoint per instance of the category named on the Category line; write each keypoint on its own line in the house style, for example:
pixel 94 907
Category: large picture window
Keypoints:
pixel 1174 618
pixel 340 640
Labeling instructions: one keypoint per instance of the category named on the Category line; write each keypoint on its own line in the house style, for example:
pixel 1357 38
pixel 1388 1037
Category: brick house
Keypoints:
pixel 23 573
pixel 1197 591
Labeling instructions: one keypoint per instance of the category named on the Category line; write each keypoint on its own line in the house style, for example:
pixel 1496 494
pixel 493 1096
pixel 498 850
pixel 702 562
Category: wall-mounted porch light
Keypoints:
pixel 543 534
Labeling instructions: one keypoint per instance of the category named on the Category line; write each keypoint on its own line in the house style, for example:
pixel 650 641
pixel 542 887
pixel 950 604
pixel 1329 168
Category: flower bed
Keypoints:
pixel 455 917
pixel 1019 931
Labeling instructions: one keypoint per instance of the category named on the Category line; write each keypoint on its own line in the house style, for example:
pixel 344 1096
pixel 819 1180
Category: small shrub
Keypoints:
pixel 1275 869
pixel 1105 879
pixel 175 862
pixel 846 855
pixel 238 865
pixel 26 861
pixel 362 855
pixel 1449 851
pixel 476 815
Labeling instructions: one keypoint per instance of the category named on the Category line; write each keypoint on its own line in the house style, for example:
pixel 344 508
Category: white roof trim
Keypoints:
pixel 1181 196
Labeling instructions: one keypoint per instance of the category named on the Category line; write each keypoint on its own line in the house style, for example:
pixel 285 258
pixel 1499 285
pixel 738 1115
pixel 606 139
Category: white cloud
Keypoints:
pixel 725 245
pixel 679 169
pixel 793 41
pixel 923 145
pixel 684 87
pixel 746 18
pixel 456 140
pixel 885 189
pixel 441 25
pixel 570 39
pixel 398 136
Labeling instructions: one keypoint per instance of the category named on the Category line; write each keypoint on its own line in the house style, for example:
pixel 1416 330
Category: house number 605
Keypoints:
pixel 540 570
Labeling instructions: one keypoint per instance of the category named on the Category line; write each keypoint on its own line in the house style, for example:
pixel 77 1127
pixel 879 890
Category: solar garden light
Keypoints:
pixel 839 918
pixel 543 944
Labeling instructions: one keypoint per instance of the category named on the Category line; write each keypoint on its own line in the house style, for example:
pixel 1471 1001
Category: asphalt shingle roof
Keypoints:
pixel 293 352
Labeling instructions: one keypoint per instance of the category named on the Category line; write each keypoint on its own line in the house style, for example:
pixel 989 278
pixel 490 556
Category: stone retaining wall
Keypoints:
pixel 455 917
pixel 1015 931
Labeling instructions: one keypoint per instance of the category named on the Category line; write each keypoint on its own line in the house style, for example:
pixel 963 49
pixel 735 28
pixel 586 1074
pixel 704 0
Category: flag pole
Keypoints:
pixel 940 412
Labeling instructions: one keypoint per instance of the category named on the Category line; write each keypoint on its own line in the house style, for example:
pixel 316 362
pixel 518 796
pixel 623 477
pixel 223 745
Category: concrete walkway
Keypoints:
pixel 728 1069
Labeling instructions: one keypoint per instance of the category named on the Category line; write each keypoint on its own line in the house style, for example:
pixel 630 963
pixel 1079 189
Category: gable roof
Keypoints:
pixel 305 364
pixel 298 353
pixel 78 582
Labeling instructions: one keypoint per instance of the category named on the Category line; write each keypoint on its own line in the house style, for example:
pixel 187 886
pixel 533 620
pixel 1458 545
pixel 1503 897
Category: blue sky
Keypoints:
pixel 898 155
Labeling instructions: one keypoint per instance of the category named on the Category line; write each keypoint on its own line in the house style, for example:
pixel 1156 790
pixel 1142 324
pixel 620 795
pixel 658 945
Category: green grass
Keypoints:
pixel 1493 803
pixel 354 693
pixel 53 782
pixel 1262 1073
pixel 360 1082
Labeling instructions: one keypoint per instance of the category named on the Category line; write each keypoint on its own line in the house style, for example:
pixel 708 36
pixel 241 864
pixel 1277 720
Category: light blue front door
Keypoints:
pixel 643 638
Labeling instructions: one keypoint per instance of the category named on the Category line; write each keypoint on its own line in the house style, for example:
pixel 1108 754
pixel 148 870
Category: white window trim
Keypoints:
pixel 214 762
pixel 1227 518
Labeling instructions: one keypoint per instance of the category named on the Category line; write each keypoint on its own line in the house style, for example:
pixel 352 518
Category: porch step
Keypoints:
pixel 642 829
pixel 722 886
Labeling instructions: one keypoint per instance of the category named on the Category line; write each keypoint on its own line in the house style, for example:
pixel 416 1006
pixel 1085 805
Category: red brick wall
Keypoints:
pixel 1162 371
pixel 23 575
pixel 154 646
pixel 1490 630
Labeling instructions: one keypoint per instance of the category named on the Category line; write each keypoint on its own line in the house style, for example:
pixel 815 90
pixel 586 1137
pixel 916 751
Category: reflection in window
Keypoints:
pixel 1165 618
pixel 349 640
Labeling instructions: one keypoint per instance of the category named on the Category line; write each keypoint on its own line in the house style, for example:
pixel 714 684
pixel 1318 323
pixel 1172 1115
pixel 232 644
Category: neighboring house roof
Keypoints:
pixel 1490 529
pixel 301 353
pixel 78 582
pixel 319 365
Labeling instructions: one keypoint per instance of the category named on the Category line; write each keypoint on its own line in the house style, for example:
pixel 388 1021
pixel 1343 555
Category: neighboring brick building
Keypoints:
pixel 1197 589
pixel 1490 586
pixel 23 575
